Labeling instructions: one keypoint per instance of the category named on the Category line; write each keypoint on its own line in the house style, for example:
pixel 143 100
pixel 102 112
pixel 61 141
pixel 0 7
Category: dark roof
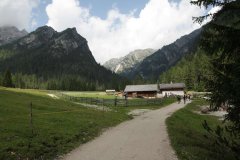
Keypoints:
pixel 172 86
pixel 139 88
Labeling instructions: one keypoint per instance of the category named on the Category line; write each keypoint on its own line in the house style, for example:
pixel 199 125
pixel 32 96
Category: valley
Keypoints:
pixel 166 73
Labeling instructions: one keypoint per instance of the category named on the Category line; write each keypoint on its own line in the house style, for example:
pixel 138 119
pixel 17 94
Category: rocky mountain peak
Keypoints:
pixel 59 42
pixel 45 31
pixel 10 33
pixel 74 30
pixel 35 39
pixel 71 33
pixel 69 40
pixel 124 64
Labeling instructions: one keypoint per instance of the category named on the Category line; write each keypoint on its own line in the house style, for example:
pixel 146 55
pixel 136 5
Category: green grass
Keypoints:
pixel 28 91
pixel 88 94
pixel 165 102
pixel 100 98
pixel 187 135
pixel 59 125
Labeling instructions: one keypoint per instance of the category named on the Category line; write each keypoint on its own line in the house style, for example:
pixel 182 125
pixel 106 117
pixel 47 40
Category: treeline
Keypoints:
pixel 191 70
pixel 65 82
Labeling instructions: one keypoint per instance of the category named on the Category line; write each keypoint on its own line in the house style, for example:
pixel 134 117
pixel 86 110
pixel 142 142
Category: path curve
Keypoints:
pixel 143 138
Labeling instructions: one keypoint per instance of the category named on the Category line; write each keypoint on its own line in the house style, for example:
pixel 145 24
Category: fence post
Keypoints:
pixel 31 121
pixel 115 101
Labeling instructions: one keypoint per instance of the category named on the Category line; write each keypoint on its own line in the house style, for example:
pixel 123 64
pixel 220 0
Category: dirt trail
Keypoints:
pixel 143 138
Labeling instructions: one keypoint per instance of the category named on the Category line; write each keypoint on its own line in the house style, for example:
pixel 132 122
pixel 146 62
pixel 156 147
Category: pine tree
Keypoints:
pixel 7 79
pixel 221 39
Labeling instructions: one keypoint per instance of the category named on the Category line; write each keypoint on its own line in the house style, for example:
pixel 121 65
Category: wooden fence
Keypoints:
pixel 112 102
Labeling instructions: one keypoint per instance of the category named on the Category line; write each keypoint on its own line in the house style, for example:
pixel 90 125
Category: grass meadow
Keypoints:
pixel 58 125
pixel 88 94
pixel 187 135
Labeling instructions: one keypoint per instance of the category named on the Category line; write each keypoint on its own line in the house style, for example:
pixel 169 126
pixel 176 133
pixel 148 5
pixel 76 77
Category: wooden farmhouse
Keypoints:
pixel 154 90
pixel 148 90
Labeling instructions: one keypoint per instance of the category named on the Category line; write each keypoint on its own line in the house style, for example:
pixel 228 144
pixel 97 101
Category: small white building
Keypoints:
pixel 110 91
pixel 172 89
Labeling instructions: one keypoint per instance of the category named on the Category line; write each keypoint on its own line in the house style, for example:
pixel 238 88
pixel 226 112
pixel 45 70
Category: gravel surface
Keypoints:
pixel 143 138
pixel 138 112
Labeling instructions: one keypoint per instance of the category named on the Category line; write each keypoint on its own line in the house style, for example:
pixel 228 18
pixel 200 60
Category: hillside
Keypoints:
pixel 55 60
pixel 127 63
pixel 192 69
pixel 152 66
pixel 199 68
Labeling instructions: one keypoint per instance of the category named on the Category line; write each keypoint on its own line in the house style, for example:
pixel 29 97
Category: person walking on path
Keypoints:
pixel 184 98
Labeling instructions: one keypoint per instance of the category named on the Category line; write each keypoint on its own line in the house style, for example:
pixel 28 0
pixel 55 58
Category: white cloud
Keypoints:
pixel 17 13
pixel 158 24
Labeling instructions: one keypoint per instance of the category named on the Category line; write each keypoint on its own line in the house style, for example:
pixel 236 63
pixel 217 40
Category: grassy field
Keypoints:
pixel 28 91
pixel 94 94
pixel 58 125
pixel 102 99
pixel 187 135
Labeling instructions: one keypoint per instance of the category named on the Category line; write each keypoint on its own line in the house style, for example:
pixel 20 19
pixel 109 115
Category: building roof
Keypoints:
pixel 139 88
pixel 172 86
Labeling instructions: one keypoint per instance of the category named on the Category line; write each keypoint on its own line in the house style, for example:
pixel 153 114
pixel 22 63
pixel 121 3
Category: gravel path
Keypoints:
pixel 143 138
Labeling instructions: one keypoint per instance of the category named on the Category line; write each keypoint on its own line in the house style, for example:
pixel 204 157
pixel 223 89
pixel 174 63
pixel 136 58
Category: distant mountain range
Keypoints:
pixel 9 34
pixel 125 64
pixel 64 57
pixel 150 64
pixel 57 56
pixel 167 56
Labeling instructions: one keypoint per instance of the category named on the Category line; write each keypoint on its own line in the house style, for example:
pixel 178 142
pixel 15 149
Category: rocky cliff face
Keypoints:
pixel 47 52
pixel 57 43
pixel 10 34
pixel 127 63
pixel 152 66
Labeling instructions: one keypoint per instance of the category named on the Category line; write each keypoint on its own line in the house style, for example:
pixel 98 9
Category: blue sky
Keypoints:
pixel 113 28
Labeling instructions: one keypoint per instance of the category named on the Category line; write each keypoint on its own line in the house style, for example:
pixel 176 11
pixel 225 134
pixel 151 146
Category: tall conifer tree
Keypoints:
pixel 7 79
pixel 221 39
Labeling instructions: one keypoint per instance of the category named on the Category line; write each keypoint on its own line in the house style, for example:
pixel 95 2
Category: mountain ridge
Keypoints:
pixel 152 66
pixel 56 56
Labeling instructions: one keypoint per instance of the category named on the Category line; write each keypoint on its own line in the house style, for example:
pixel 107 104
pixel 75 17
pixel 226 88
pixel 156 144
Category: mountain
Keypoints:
pixel 125 64
pixel 9 34
pixel 217 56
pixel 152 66
pixel 112 63
pixel 56 59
